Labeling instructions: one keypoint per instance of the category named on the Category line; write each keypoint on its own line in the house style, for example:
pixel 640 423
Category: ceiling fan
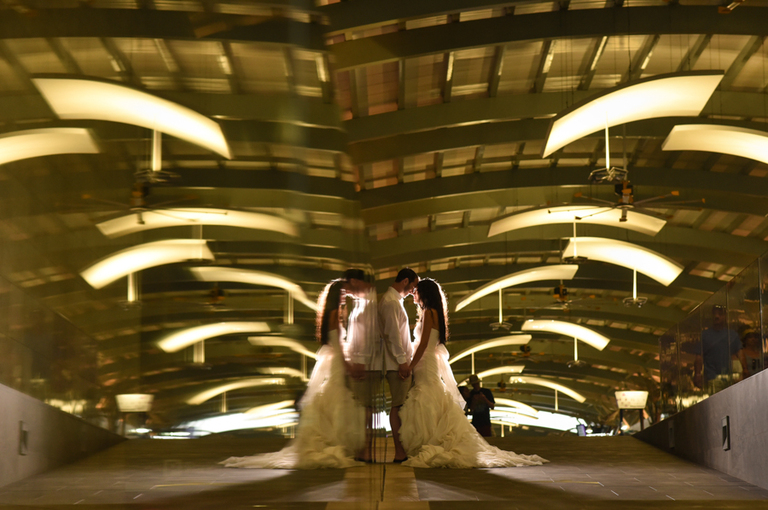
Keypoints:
pixel 623 188
pixel 144 179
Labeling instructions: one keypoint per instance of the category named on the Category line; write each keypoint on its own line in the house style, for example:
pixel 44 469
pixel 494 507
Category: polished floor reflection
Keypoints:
pixel 605 472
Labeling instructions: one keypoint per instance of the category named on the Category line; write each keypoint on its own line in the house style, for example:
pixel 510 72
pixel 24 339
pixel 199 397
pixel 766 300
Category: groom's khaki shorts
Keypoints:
pixel 367 389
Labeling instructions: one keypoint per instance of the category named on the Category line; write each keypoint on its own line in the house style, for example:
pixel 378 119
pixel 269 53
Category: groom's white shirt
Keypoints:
pixel 395 333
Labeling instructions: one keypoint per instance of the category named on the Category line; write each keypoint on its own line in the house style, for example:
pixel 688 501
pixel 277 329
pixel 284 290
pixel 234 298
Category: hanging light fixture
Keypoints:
pixel 553 272
pixel 631 256
pixel 746 143
pixel 536 381
pixel 189 336
pixel 491 344
pixel 206 395
pixel 586 335
pixel 92 99
pixel 253 277
pixel 179 217
pixel 278 341
pixel 610 217
pixel 144 256
pixel 34 143
pixel 518 405
pixel 668 95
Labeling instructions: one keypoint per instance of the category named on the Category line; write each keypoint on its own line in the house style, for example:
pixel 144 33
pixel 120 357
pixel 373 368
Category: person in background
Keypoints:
pixel 480 404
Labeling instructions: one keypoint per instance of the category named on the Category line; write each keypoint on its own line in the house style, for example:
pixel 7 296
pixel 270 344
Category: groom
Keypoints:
pixel 397 352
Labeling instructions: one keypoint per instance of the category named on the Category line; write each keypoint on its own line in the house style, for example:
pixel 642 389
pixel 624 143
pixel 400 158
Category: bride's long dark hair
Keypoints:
pixel 432 297
pixel 330 299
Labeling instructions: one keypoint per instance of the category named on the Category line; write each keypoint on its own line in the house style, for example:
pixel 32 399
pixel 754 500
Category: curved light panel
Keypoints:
pixel 186 337
pixel 258 412
pixel 536 381
pixel 490 344
pixel 179 217
pixel 76 98
pixel 143 256
pixel 34 143
pixel 631 256
pixel 286 371
pixel 535 274
pixel 517 405
pixel 586 335
pixel 252 277
pixel 667 95
pixel 206 395
pixel 747 143
pixel 643 223
pixel 277 341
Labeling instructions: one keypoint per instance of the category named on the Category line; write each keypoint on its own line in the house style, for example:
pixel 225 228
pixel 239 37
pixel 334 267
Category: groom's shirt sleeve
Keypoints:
pixel 390 329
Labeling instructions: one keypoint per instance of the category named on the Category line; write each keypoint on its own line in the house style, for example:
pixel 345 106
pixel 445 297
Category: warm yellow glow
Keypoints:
pixel 631 399
pixel 134 402
pixel 678 95
pixel 189 336
pixel 77 98
pixel 511 414
pixel 34 143
pixel 253 277
pixel 490 344
pixel 536 381
pixel 747 143
pixel 206 395
pixel 279 341
pixel 143 256
pixel 286 371
pixel 513 369
pixel 516 404
pixel 643 223
pixel 535 274
pixel 177 217
pixel 256 413
pixel 586 335
pixel 631 256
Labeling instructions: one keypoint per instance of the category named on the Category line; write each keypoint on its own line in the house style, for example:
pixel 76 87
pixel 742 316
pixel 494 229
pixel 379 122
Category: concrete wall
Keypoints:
pixel 54 437
pixel 697 431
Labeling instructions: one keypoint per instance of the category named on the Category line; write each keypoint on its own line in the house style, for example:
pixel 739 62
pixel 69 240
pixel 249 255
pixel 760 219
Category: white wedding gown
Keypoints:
pixel 434 430
pixel 331 427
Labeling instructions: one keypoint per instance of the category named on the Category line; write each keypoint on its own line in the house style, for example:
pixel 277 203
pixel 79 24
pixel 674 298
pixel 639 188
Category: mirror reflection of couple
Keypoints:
pixel 427 418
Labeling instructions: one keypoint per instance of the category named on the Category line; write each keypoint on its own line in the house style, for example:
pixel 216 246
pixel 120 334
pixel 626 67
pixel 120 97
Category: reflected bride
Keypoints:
pixel 434 431
pixel 332 424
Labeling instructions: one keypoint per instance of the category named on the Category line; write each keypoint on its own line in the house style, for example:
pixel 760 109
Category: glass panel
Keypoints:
pixel 689 344
pixel 669 368
pixel 744 316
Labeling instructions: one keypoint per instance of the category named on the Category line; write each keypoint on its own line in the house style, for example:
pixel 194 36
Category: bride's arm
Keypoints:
pixel 426 327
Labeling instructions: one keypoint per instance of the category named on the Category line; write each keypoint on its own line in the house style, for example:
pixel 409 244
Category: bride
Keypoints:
pixel 332 424
pixel 434 430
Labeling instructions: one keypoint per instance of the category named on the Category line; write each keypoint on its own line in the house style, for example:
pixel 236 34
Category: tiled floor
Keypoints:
pixel 603 473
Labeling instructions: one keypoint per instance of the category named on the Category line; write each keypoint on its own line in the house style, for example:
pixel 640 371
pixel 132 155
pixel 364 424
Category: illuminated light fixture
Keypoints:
pixel 611 217
pixel 87 99
pixel 34 143
pixel 490 344
pixel 570 329
pixel 206 395
pixel 134 402
pixel 190 336
pixel 667 95
pixel 631 256
pixel 143 256
pixel 535 274
pixel 511 413
pixel 631 399
pixel 747 143
pixel 536 381
pixel 178 217
pixel 252 277
pixel 267 409
pixel 514 369
pixel 286 371
pixel 517 405
pixel 277 341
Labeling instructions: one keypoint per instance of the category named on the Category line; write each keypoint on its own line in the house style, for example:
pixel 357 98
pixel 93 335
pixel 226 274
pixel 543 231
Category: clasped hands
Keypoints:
pixel 404 370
